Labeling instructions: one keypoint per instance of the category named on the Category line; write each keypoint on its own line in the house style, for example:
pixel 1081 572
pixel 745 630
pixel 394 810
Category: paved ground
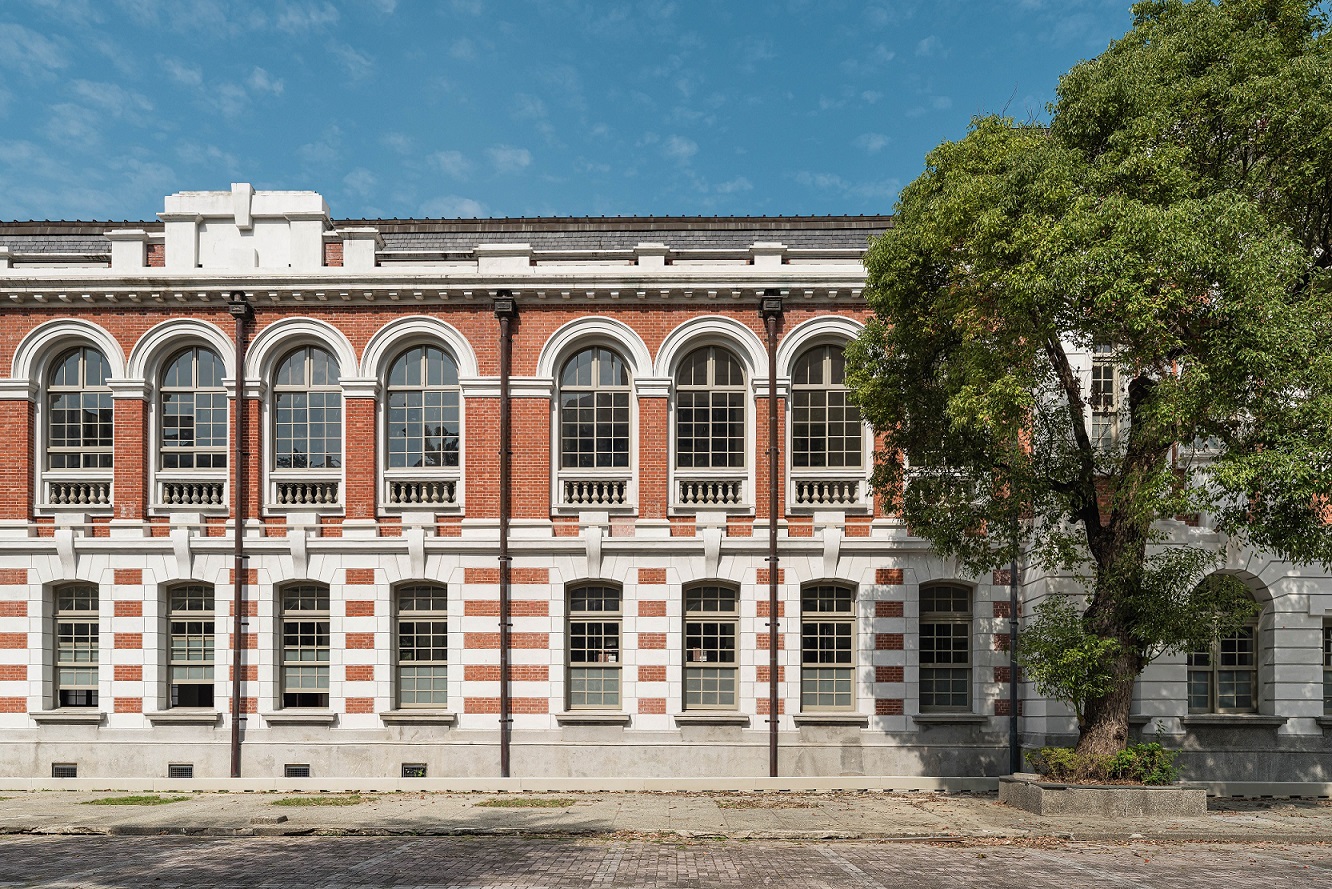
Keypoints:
pixel 521 862
pixel 659 815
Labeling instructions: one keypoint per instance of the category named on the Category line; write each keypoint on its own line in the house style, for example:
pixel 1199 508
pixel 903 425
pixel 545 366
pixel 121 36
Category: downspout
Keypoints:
pixel 771 308
pixel 506 312
pixel 240 310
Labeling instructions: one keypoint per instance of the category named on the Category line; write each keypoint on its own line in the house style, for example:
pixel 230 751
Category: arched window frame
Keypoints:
pixel 425 488
pixel 610 488
pixel 829 646
pixel 1216 676
pixel 83 487
pixel 76 645
pixel 812 487
pixel 295 488
pixel 421 645
pixel 594 654
pixel 304 645
pixel 190 619
pixel 710 487
pixel 191 488
pixel 946 647
pixel 711 640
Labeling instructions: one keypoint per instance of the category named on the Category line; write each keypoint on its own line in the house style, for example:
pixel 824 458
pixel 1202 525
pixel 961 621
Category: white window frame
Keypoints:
pixel 947 618
pixel 594 486
pixel 431 615
pixel 611 658
pixel 841 489
pixel 315 616
pixel 276 476
pixel 163 479
pixel 98 478
pixel 207 616
pixel 742 475
pixel 841 620
pixel 436 475
pixel 696 659
pixel 1215 668
pixel 83 617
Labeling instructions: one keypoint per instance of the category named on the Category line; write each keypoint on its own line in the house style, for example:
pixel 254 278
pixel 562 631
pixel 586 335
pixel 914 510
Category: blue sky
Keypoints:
pixel 402 108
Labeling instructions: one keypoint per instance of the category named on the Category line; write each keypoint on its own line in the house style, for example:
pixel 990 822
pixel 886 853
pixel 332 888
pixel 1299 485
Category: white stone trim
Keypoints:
pixel 821 329
pixel 164 339
pixel 712 330
pixel 280 336
pixel 594 329
pixel 34 351
pixel 400 333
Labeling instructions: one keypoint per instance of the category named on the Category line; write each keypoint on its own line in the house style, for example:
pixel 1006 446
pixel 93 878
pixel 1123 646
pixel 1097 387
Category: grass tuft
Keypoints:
pixel 139 800
pixel 349 800
pixel 527 802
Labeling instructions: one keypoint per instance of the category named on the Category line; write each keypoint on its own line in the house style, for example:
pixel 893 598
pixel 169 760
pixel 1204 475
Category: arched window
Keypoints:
pixel 826 429
pixel 594 647
pixel 710 410
pixel 191 646
pixel 1223 678
pixel 945 648
pixel 423 645
pixel 711 629
pixel 827 647
pixel 77 644
pixel 594 411
pixel 305 645
pixel 80 432
pixel 424 413
pixel 307 429
pixel 193 410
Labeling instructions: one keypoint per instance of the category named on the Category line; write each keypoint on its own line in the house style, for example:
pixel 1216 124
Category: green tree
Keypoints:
pixel 1177 212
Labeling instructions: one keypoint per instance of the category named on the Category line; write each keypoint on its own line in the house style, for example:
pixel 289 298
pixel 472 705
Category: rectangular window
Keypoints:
pixel 1327 668
pixel 191 646
pixel 1104 399
pixel 945 649
pixel 711 628
pixel 305 638
pixel 827 647
pixel 1224 678
pixel 423 645
pixel 76 626
pixel 594 648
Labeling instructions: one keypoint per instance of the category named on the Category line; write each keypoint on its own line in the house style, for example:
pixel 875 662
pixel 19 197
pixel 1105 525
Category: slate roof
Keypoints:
pixel 680 233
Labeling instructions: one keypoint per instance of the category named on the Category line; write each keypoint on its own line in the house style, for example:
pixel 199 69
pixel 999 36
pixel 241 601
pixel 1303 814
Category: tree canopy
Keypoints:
pixel 1176 214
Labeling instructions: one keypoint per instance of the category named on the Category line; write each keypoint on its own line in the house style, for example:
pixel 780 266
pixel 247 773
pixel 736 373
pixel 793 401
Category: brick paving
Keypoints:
pixel 520 863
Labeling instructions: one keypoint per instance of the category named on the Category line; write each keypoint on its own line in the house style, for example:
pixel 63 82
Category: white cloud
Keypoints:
pixel 360 182
pixel 295 17
pixel 113 99
pixel 870 96
pixel 27 51
pixel 182 72
pixel 73 126
pixel 528 107
pixel 680 149
pixel 740 183
pixel 260 82
pixel 325 150
pixel 210 156
pixel 452 163
pixel 883 190
pixel 871 143
pixel 463 49
pixel 452 206
pixel 357 64
pixel 507 159
pixel 928 46
pixel 398 142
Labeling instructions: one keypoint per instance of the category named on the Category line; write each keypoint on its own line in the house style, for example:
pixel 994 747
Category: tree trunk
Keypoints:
pixel 1104 731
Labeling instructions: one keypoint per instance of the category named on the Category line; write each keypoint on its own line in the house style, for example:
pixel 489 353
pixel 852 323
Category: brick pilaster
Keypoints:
pixel 362 458
pixel 130 485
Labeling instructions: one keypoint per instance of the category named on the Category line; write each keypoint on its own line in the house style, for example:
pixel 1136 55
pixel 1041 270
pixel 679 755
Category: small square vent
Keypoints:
pixel 413 770
pixel 64 770
pixel 180 770
pixel 296 770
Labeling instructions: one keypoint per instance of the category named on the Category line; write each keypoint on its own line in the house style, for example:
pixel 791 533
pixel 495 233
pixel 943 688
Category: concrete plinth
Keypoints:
pixel 1030 793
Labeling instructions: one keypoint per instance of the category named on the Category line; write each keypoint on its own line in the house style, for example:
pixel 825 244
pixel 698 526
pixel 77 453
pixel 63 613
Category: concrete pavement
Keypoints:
pixel 793 816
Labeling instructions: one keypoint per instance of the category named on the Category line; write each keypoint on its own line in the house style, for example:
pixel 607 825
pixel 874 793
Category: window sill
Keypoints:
pixel 949 718
pixel 1232 720
pixel 300 717
pixel 68 716
pixel 184 716
pixel 419 717
pixel 711 719
pixel 831 719
pixel 592 717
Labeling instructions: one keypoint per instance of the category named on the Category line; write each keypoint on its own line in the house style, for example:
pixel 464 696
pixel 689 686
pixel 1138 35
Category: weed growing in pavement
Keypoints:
pixel 143 800
pixel 350 800
pixel 526 802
